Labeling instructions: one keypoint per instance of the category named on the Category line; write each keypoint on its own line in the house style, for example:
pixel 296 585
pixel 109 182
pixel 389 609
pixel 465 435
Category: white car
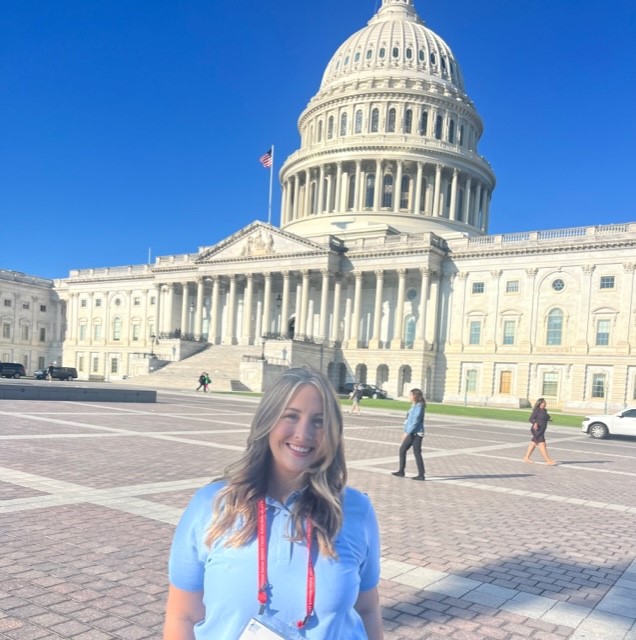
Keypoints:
pixel 622 423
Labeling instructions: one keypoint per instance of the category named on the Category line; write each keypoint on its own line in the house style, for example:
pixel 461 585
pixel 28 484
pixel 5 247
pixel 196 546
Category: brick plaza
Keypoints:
pixel 487 548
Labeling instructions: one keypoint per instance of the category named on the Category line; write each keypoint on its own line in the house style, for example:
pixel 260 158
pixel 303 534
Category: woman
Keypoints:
pixel 539 420
pixel 281 541
pixel 356 396
pixel 413 435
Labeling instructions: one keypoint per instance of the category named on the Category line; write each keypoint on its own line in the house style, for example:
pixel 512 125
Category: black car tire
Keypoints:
pixel 598 430
pixel 16 375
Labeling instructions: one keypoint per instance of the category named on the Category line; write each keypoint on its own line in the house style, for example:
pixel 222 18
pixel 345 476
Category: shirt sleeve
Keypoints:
pixel 412 418
pixel 370 567
pixel 186 566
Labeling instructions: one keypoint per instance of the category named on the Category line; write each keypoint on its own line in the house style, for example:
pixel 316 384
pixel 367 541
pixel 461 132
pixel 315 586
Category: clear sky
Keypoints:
pixel 126 126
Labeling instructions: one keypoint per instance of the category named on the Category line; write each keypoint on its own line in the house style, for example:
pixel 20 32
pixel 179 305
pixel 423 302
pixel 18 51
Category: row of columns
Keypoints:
pixel 258 317
pixel 327 189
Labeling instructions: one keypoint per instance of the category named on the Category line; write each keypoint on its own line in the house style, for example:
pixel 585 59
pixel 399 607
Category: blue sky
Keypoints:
pixel 126 126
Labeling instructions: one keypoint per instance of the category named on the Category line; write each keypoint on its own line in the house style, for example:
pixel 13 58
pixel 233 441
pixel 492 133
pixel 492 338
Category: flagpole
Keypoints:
pixel 271 176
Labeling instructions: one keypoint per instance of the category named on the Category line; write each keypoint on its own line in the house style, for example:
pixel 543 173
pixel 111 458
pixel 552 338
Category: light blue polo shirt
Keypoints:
pixel 229 576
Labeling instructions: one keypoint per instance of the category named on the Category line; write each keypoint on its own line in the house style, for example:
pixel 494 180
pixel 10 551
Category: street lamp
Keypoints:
pixel 263 341
pixel 153 341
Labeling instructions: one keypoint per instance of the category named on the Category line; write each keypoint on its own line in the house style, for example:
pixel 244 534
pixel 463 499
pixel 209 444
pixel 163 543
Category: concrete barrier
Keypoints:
pixel 68 391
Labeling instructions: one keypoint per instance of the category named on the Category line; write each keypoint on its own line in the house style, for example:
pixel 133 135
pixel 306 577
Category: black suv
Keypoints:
pixel 368 390
pixel 57 373
pixel 11 370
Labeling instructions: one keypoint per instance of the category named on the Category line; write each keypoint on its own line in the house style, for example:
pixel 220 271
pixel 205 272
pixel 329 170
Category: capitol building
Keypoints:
pixel 382 269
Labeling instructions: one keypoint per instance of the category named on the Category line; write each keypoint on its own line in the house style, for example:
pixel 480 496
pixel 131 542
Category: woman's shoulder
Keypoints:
pixel 207 493
pixel 355 500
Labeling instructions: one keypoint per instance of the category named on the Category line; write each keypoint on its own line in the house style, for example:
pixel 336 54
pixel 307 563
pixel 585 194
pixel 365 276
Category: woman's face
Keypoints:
pixel 295 439
pixel 542 405
pixel 412 396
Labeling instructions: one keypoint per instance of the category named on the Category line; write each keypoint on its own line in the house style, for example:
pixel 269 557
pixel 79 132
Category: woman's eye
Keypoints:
pixel 318 423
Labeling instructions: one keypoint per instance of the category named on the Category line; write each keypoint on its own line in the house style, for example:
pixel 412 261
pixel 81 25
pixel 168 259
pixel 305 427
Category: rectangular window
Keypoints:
pixel 478 287
pixel 607 282
pixel 80 363
pixel 7 302
pixel 41 363
pixel 474 336
pixel 505 382
pixel 42 334
pixel 602 333
pixel 509 331
pixel 25 362
pixel 82 332
pixel 136 302
pixel 114 365
pixel 43 308
pixel 25 333
pixel 26 305
pixel 550 384
pixel 83 302
pixel 136 330
pixel 6 330
pixel 598 385
pixel 153 299
pixel 471 381
pixel 95 364
pixel 97 332
pixel 98 302
pixel 512 286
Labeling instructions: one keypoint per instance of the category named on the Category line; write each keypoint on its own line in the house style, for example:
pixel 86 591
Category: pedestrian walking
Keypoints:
pixel 280 547
pixel 413 434
pixel 356 396
pixel 208 380
pixel 539 419
pixel 202 381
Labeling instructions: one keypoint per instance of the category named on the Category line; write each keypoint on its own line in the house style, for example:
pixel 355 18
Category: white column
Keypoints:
pixel 453 201
pixel 297 310
pixel 295 208
pixel 357 186
pixel 231 311
pixel 248 293
pixel 339 191
pixel 324 311
pixel 476 205
pixel 438 186
pixel 335 327
pixel 213 335
pixel 417 207
pixel 267 304
pixel 198 318
pixel 420 330
pixel 397 187
pixel 357 303
pixel 399 310
pixel 184 308
pixel 157 320
pixel 329 181
pixel 169 309
pixel 378 185
pixel 377 312
pixel 284 310
pixel 320 190
pixel 304 298
pixel 466 212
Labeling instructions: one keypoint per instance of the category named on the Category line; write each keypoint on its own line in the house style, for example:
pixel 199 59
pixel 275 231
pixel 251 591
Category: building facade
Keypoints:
pixel 382 269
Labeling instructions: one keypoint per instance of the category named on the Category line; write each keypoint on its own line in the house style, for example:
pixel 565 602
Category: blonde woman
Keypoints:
pixel 281 547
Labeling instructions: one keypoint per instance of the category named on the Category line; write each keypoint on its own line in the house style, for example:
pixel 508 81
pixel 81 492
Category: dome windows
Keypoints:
pixel 451 132
pixel 433 58
pixel 408 121
pixel 358 122
pixel 346 60
pixel 409 53
pixel 375 120
pixel 381 52
pixel 424 123
pixel 330 128
pixel 390 121
pixel 438 127
pixel 356 57
pixel 422 55
pixel 343 124
pixel 369 54
pixel 395 52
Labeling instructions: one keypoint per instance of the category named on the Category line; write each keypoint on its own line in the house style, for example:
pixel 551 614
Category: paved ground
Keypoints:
pixel 487 548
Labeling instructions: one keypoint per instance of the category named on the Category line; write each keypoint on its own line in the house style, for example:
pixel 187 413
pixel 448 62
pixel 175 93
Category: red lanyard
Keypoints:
pixel 262 565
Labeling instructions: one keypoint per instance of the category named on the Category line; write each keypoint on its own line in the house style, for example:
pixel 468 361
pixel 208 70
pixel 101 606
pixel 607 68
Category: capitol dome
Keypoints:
pixel 389 142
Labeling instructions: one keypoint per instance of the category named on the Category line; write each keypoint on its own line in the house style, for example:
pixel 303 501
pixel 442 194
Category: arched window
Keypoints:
pixel 424 123
pixel 358 121
pixel 387 191
pixel 451 132
pixel 117 328
pixel 370 190
pixel 320 131
pixel 312 197
pixel 390 122
pixel 369 53
pixel 409 332
pixel 352 191
pixel 330 128
pixel 438 127
pixel 404 192
pixel 381 52
pixel 343 124
pixel 375 120
pixel 461 135
pixel 409 53
pixel 408 121
pixel 395 52
pixel 433 58
pixel 554 333
pixel 324 204
pixel 460 205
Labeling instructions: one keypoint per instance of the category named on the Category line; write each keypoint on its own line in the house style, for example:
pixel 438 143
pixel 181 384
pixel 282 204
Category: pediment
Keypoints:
pixel 258 240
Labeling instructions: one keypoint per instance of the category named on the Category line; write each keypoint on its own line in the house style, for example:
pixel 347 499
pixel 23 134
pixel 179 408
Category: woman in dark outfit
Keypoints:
pixel 539 420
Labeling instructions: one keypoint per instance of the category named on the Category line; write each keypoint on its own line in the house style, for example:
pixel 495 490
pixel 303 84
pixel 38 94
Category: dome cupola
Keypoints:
pixel 389 142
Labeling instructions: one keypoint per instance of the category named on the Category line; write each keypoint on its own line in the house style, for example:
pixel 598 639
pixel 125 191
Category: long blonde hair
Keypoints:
pixel 235 507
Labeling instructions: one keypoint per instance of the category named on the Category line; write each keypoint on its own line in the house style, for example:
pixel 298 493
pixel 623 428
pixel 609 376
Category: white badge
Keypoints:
pixel 257 630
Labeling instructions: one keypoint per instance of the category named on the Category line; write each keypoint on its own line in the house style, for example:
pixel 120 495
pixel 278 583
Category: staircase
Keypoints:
pixel 221 362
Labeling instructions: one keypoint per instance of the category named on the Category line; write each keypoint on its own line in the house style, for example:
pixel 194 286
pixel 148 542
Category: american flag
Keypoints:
pixel 266 159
